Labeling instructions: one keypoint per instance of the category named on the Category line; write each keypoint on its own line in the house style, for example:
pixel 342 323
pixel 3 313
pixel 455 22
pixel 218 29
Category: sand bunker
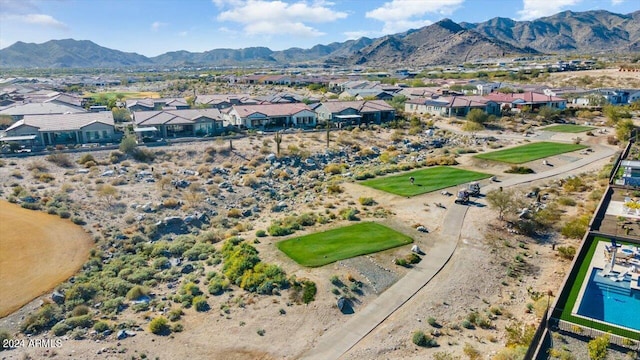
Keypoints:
pixel 37 252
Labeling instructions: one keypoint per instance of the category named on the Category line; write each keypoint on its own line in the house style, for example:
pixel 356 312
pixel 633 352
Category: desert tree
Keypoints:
pixel 128 144
pixel 108 193
pixel 477 116
pixel 623 129
pixel 503 201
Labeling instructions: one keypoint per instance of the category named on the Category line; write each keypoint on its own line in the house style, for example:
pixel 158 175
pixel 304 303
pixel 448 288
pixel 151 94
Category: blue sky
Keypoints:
pixel 152 27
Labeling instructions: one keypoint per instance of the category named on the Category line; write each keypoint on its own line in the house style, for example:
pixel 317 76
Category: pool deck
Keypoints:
pixel 599 261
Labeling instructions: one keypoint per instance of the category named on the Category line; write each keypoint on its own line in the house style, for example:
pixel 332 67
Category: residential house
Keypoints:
pixel 362 94
pixel 266 116
pixel 355 112
pixel 451 105
pixel 19 111
pixel 180 123
pixel 223 101
pixel 79 128
pixel 156 104
pixel 634 96
pixel 276 80
pixel 530 99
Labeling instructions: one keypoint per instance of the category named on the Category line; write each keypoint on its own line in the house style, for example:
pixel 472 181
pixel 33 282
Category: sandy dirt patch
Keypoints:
pixel 50 251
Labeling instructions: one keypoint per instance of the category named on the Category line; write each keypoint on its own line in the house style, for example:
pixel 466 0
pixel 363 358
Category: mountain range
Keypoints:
pixel 444 42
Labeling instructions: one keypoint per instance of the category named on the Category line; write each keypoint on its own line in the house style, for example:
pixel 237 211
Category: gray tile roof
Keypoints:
pixel 64 122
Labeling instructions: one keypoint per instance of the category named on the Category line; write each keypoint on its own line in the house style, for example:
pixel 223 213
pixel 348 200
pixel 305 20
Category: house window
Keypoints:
pixel 105 134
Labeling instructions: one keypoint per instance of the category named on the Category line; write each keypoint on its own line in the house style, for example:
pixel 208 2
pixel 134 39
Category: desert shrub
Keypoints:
pixel 175 314
pixel 80 310
pixel 82 321
pixel 334 189
pixel 80 293
pixel 261 233
pixel 413 258
pixel 576 227
pixel 143 155
pixel 433 322
pixel 421 339
pixel 200 303
pixel 566 201
pixel 77 220
pixel 86 158
pixel 519 334
pixel 37 165
pixel 309 291
pixel 112 306
pixel 30 206
pixel 159 326
pixel 44 177
pixel 170 203
pixel 333 169
pixel 136 292
pixel 367 201
pixel 4 337
pixel 598 347
pixel 401 262
pixel 471 352
pixel 101 326
pixel 115 157
pixel 234 213
pixel 574 184
pixel 60 328
pixel 349 214
pixel 60 159
pixel 218 286
pixel 277 230
pixel 514 169
pixel 567 252
pixel 177 327
pixel 43 318
pixel 199 251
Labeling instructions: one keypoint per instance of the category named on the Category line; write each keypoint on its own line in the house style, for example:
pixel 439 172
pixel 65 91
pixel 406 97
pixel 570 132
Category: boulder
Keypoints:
pixel 57 297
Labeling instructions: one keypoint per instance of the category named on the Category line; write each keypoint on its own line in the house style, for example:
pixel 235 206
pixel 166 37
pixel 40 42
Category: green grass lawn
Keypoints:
pixel 342 243
pixel 525 153
pixel 568 128
pixel 426 180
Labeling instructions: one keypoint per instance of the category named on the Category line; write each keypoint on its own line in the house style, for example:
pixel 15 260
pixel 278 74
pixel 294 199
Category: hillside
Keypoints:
pixel 444 42
pixel 581 32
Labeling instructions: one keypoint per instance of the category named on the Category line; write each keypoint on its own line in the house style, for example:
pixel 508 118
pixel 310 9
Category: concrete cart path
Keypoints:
pixel 337 341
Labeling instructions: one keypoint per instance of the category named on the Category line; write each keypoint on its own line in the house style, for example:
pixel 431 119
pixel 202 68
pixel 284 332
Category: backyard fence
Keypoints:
pixel 592 333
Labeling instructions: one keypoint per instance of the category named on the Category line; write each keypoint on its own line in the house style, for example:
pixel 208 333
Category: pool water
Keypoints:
pixel 613 302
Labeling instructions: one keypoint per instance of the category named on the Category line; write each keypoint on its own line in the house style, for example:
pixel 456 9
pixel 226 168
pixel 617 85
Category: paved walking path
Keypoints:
pixel 337 341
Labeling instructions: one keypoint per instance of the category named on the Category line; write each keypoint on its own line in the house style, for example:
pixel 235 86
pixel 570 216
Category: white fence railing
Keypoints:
pixel 593 333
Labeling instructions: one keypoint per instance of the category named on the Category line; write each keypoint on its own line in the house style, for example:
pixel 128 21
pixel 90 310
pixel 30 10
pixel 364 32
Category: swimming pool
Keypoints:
pixel 610 301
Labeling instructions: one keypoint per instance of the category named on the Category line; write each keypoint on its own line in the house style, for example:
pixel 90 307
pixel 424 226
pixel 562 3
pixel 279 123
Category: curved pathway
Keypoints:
pixel 337 341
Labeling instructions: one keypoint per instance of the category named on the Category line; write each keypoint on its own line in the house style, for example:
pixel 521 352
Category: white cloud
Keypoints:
pixel 260 17
pixel 157 25
pixel 533 9
pixel 44 20
pixel 28 12
pixel 617 2
pixel 401 15
pixel 183 33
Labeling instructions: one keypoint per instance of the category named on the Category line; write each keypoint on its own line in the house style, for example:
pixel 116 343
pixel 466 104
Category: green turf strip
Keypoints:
pixel 525 153
pixel 568 128
pixel 342 243
pixel 426 180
